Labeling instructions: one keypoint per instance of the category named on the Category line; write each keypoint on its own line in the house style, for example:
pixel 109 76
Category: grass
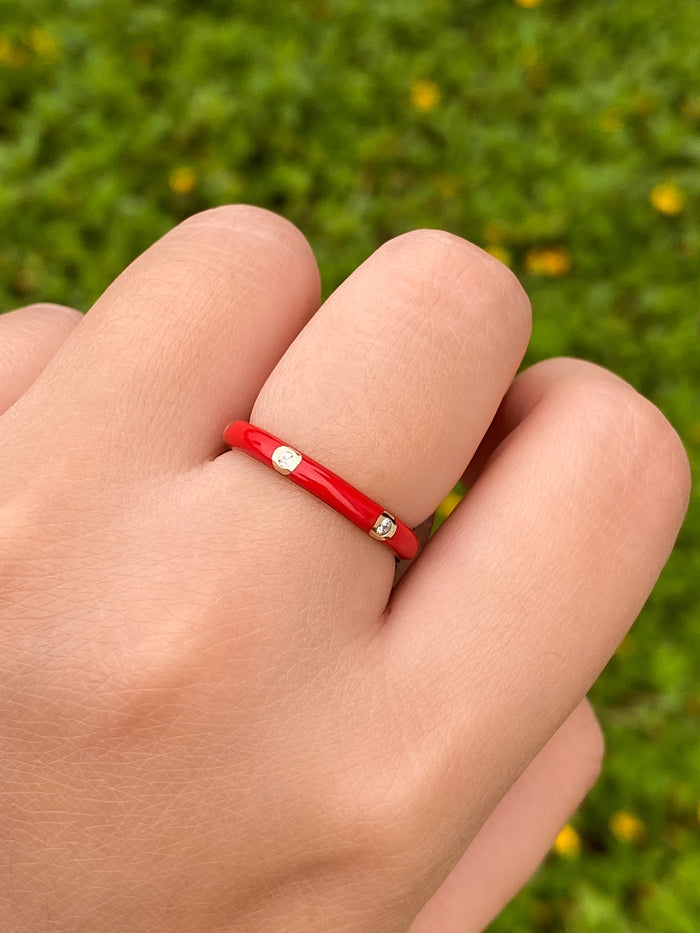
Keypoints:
pixel 563 136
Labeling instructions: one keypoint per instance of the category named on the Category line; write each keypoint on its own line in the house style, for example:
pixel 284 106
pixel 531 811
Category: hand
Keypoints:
pixel 217 712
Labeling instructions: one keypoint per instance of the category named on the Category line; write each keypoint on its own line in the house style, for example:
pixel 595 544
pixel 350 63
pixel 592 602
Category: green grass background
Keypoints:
pixel 552 127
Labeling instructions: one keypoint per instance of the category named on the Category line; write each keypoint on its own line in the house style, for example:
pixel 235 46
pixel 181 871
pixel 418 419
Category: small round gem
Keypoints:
pixel 384 526
pixel 286 459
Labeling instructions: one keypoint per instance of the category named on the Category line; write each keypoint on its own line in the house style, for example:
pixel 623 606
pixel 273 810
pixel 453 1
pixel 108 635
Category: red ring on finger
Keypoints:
pixel 325 485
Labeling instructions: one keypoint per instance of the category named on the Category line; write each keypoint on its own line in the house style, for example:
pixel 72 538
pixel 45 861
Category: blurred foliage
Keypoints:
pixel 563 136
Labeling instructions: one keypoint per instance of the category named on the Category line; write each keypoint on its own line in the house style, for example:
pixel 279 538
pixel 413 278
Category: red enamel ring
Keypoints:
pixel 325 485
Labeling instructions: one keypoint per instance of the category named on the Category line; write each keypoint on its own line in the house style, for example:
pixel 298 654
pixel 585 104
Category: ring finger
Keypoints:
pixel 392 385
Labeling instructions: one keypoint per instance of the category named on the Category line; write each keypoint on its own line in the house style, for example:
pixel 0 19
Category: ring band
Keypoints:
pixel 325 485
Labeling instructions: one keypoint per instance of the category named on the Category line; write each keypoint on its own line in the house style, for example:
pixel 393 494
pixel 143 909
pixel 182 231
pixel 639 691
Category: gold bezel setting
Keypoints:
pixel 285 459
pixel 384 527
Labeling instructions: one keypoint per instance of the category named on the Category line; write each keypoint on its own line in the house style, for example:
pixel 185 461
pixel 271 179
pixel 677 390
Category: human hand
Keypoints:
pixel 215 711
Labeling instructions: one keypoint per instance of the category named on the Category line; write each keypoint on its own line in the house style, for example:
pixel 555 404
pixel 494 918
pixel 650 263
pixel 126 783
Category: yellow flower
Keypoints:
pixel 667 198
pixel 627 827
pixel 552 261
pixel 425 95
pixel 42 43
pixel 568 842
pixel 500 252
pixel 528 4
pixel 449 504
pixel 11 55
pixel 182 180
pixel 611 121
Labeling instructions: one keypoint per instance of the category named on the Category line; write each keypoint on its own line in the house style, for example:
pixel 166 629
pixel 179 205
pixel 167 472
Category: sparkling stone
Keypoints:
pixel 384 526
pixel 286 459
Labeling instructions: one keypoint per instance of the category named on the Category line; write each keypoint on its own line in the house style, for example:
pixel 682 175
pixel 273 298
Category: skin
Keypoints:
pixel 218 710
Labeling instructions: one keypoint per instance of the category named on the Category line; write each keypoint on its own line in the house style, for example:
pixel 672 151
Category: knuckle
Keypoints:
pixel 635 439
pixel 373 814
pixel 385 805
pixel 436 263
pixel 251 221
pixel 194 266
pixel 375 839
pixel 48 310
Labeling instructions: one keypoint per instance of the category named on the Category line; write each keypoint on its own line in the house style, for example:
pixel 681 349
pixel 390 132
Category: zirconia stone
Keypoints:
pixel 286 459
pixel 384 526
